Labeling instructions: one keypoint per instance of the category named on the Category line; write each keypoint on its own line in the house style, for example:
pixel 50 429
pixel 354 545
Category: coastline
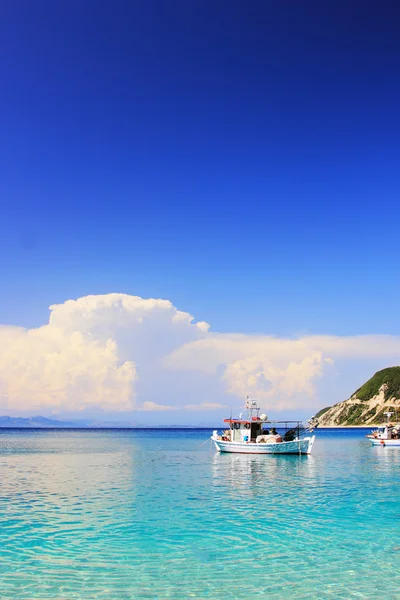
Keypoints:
pixel 347 426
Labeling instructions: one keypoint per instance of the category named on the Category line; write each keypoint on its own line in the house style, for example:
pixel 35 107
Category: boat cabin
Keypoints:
pixel 386 432
pixel 255 428
pixel 247 431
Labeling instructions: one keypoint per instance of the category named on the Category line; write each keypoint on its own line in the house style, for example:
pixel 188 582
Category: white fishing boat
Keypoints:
pixel 255 434
pixel 385 435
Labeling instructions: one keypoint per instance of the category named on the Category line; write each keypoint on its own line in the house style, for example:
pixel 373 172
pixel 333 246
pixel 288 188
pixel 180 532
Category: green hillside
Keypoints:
pixel 364 407
pixel 390 376
pixel 322 412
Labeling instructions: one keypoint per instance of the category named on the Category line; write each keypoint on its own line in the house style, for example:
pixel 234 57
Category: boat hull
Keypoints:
pixel 302 446
pixel 378 442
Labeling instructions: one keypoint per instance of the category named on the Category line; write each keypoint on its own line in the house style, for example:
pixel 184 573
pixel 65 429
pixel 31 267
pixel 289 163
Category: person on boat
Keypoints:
pixel 289 435
pixel 278 437
pixel 226 436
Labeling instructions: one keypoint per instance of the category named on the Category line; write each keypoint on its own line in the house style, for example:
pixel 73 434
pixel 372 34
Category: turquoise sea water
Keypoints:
pixel 151 514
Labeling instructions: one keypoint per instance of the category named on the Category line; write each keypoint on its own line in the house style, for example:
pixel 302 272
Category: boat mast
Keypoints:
pixel 388 414
pixel 252 406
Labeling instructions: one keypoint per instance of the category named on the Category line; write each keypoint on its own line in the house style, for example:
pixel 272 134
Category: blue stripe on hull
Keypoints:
pixel 392 443
pixel 281 448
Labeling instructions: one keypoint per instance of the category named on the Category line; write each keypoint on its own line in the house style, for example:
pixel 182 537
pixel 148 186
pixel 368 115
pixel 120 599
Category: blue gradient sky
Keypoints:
pixel 240 159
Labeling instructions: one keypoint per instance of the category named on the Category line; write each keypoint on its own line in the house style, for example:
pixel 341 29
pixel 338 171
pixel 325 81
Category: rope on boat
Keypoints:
pixel 203 443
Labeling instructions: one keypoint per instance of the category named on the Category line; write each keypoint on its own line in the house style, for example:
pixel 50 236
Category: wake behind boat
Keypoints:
pixel 254 434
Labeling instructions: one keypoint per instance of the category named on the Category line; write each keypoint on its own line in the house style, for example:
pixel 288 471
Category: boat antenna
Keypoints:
pixel 388 414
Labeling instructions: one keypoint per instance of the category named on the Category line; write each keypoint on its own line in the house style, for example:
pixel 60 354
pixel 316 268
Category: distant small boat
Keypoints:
pixel 385 435
pixel 254 434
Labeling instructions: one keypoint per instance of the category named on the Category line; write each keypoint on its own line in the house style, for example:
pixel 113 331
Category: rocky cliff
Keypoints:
pixel 368 404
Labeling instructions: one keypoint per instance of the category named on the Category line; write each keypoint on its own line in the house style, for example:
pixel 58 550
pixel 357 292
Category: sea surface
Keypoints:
pixel 156 514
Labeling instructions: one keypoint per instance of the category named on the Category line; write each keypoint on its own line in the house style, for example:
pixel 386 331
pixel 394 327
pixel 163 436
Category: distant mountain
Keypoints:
pixel 368 404
pixel 44 422
pixel 34 422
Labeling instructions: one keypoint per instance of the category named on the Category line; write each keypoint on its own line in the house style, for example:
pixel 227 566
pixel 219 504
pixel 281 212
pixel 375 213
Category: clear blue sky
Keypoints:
pixel 238 158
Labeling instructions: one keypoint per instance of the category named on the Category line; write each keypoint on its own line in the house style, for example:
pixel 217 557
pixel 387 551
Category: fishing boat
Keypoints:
pixel 385 435
pixel 255 434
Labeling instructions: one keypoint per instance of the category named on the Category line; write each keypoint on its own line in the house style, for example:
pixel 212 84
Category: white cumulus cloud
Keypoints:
pixel 263 378
pixel 88 354
pixel 154 407
pixel 119 352
pixel 281 372
pixel 48 367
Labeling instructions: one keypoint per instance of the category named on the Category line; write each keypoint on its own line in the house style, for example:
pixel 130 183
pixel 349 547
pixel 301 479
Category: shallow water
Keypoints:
pixel 151 514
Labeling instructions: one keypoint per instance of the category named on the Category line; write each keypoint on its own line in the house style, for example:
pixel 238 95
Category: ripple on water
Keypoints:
pixel 104 515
